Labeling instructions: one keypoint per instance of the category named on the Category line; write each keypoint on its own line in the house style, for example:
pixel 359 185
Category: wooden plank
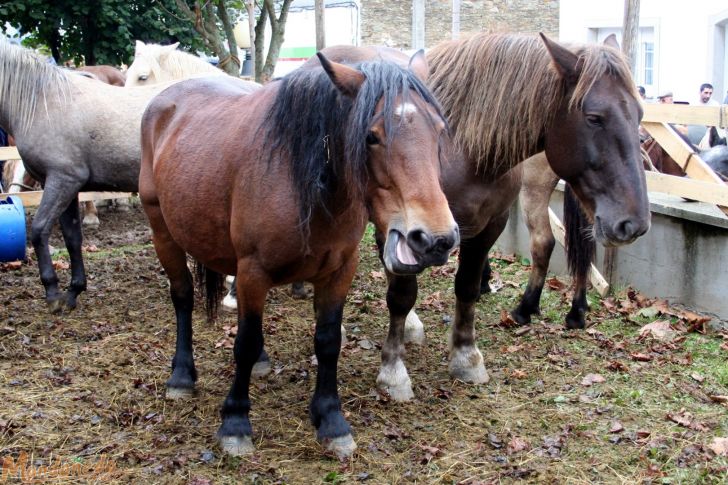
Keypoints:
pixel 9 153
pixel 597 280
pixel 683 155
pixel 32 199
pixel 686 114
pixel 709 192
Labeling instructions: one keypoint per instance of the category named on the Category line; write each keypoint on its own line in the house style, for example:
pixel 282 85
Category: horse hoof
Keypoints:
pixel 466 364
pixel 521 318
pixel 298 291
pixel 261 369
pixel 237 445
pixel 394 380
pixel 342 446
pixel 230 303
pixel 56 306
pixel 175 393
pixel 414 331
pixel 229 280
pixel 91 220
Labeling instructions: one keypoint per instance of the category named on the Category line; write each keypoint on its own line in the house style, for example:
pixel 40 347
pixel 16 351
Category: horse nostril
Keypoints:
pixel 626 230
pixel 419 241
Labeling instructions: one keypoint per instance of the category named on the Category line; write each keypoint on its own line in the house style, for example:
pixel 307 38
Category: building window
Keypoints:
pixel 648 56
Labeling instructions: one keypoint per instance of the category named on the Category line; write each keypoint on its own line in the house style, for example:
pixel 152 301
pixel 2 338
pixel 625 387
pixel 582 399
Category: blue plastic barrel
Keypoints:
pixel 12 229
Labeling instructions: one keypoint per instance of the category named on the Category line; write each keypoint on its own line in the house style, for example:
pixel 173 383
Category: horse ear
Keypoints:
pixel 611 41
pixel 169 48
pixel 347 79
pixel 139 47
pixel 564 60
pixel 418 65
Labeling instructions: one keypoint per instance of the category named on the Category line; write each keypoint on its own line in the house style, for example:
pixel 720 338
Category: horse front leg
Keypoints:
pixel 332 429
pixel 70 222
pixel 57 196
pixel 466 361
pixel 235 432
pixel 576 318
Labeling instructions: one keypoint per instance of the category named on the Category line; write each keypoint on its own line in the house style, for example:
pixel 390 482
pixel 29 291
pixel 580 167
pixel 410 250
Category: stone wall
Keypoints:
pixel 387 22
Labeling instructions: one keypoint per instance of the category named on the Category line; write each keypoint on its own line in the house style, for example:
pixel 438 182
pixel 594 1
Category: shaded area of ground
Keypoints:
pixel 599 406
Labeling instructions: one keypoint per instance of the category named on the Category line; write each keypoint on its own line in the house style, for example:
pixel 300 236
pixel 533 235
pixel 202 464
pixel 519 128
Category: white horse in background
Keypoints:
pixel 154 63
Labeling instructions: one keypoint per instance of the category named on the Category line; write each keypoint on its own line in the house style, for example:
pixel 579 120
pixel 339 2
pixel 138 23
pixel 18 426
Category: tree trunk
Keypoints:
pixel 320 24
pixel 260 43
pixel 278 28
pixel 205 22
pixel 250 7
pixel 630 28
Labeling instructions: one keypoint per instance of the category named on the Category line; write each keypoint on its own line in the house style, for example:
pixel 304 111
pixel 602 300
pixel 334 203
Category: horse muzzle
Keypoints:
pixel 620 232
pixel 418 250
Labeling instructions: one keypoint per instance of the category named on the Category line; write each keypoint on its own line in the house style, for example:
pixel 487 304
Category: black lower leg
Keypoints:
pixel 70 222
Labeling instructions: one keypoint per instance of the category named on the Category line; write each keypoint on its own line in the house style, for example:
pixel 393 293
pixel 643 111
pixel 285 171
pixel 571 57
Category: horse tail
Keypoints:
pixel 579 243
pixel 212 284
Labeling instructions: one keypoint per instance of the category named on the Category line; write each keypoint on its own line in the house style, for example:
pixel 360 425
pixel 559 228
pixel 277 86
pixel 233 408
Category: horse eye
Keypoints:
pixel 372 139
pixel 595 120
pixel 143 77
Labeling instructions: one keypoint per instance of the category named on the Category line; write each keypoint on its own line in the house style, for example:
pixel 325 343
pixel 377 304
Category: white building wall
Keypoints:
pixel 689 36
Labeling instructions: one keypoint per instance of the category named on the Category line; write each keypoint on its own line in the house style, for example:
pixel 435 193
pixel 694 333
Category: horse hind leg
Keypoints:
pixel 90 214
pixel 580 250
pixel 539 182
pixel 173 259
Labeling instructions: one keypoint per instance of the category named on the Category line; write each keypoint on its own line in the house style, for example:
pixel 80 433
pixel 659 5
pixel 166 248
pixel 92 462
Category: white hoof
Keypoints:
pixel 175 393
pixel 122 205
pixel 261 369
pixel 229 281
pixel 342 446
pixel 91 220
pixel 230 303
pixel 343 336
pixel 467 365
pixel 394 380
pixel 237 446
pixel 414 331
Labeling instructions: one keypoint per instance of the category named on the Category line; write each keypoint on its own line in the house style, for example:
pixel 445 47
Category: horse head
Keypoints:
pixel 593 139
pixel 146 66
pixel 395 129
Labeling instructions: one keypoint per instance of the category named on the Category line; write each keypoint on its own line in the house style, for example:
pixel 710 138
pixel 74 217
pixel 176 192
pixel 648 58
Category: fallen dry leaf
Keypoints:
pixel 697 377
pixel 590 379
pixel 616 427
pixel 506 320
pixel 617 366
pixel 659 329
pixel 60 265
pixel 556 284
pixel 90 248
pixel 519 374
pixel 516 444
pixel 641 357
pixel 11 266
pixel 719 446
pixel 685 419
pixel 377 275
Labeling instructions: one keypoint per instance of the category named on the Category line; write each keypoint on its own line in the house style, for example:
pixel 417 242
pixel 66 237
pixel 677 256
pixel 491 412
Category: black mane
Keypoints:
pixel 322 133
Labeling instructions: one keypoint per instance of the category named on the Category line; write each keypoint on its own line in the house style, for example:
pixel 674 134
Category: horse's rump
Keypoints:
pixel 107 74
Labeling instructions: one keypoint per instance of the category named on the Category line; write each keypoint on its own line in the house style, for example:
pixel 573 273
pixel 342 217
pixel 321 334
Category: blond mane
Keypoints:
pixel 500 91
pixel 168 64
pixel 25 81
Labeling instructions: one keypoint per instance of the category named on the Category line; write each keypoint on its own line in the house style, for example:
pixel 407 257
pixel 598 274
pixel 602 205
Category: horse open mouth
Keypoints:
pixel 399 258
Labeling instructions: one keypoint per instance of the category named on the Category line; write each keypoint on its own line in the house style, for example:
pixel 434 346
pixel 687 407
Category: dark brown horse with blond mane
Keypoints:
pixel 508 97
pixel 277 186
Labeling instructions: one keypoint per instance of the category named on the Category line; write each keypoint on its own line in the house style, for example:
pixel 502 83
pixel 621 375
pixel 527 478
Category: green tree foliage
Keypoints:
pixel 98 31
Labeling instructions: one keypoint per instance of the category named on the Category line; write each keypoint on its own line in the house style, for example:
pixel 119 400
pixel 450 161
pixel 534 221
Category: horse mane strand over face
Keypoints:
pixel 323 133
pixel 500 91
pixel 27 81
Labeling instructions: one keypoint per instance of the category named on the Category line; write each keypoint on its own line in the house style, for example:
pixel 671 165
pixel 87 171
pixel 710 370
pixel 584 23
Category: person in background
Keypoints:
pixel 706 93
pixel 641 90
pixel 667 98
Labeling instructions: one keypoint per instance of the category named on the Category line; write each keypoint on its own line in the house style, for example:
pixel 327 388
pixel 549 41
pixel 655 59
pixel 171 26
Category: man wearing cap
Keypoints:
pixel 665 97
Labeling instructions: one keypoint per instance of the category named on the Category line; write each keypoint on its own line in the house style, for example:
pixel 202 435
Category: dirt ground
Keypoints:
pixel 618 403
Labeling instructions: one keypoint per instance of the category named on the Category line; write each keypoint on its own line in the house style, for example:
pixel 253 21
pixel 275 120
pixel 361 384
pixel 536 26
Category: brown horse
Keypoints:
pixel 105 74
pixel 277 186
pixel 577 104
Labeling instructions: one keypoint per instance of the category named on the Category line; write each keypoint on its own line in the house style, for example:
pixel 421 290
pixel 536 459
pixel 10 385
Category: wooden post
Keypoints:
pixel 418 24
pixel 320 7
pixel 630 29
pixel 455 19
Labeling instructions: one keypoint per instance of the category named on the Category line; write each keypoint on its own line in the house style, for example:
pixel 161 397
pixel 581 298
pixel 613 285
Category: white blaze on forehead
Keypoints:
pixel 404 109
